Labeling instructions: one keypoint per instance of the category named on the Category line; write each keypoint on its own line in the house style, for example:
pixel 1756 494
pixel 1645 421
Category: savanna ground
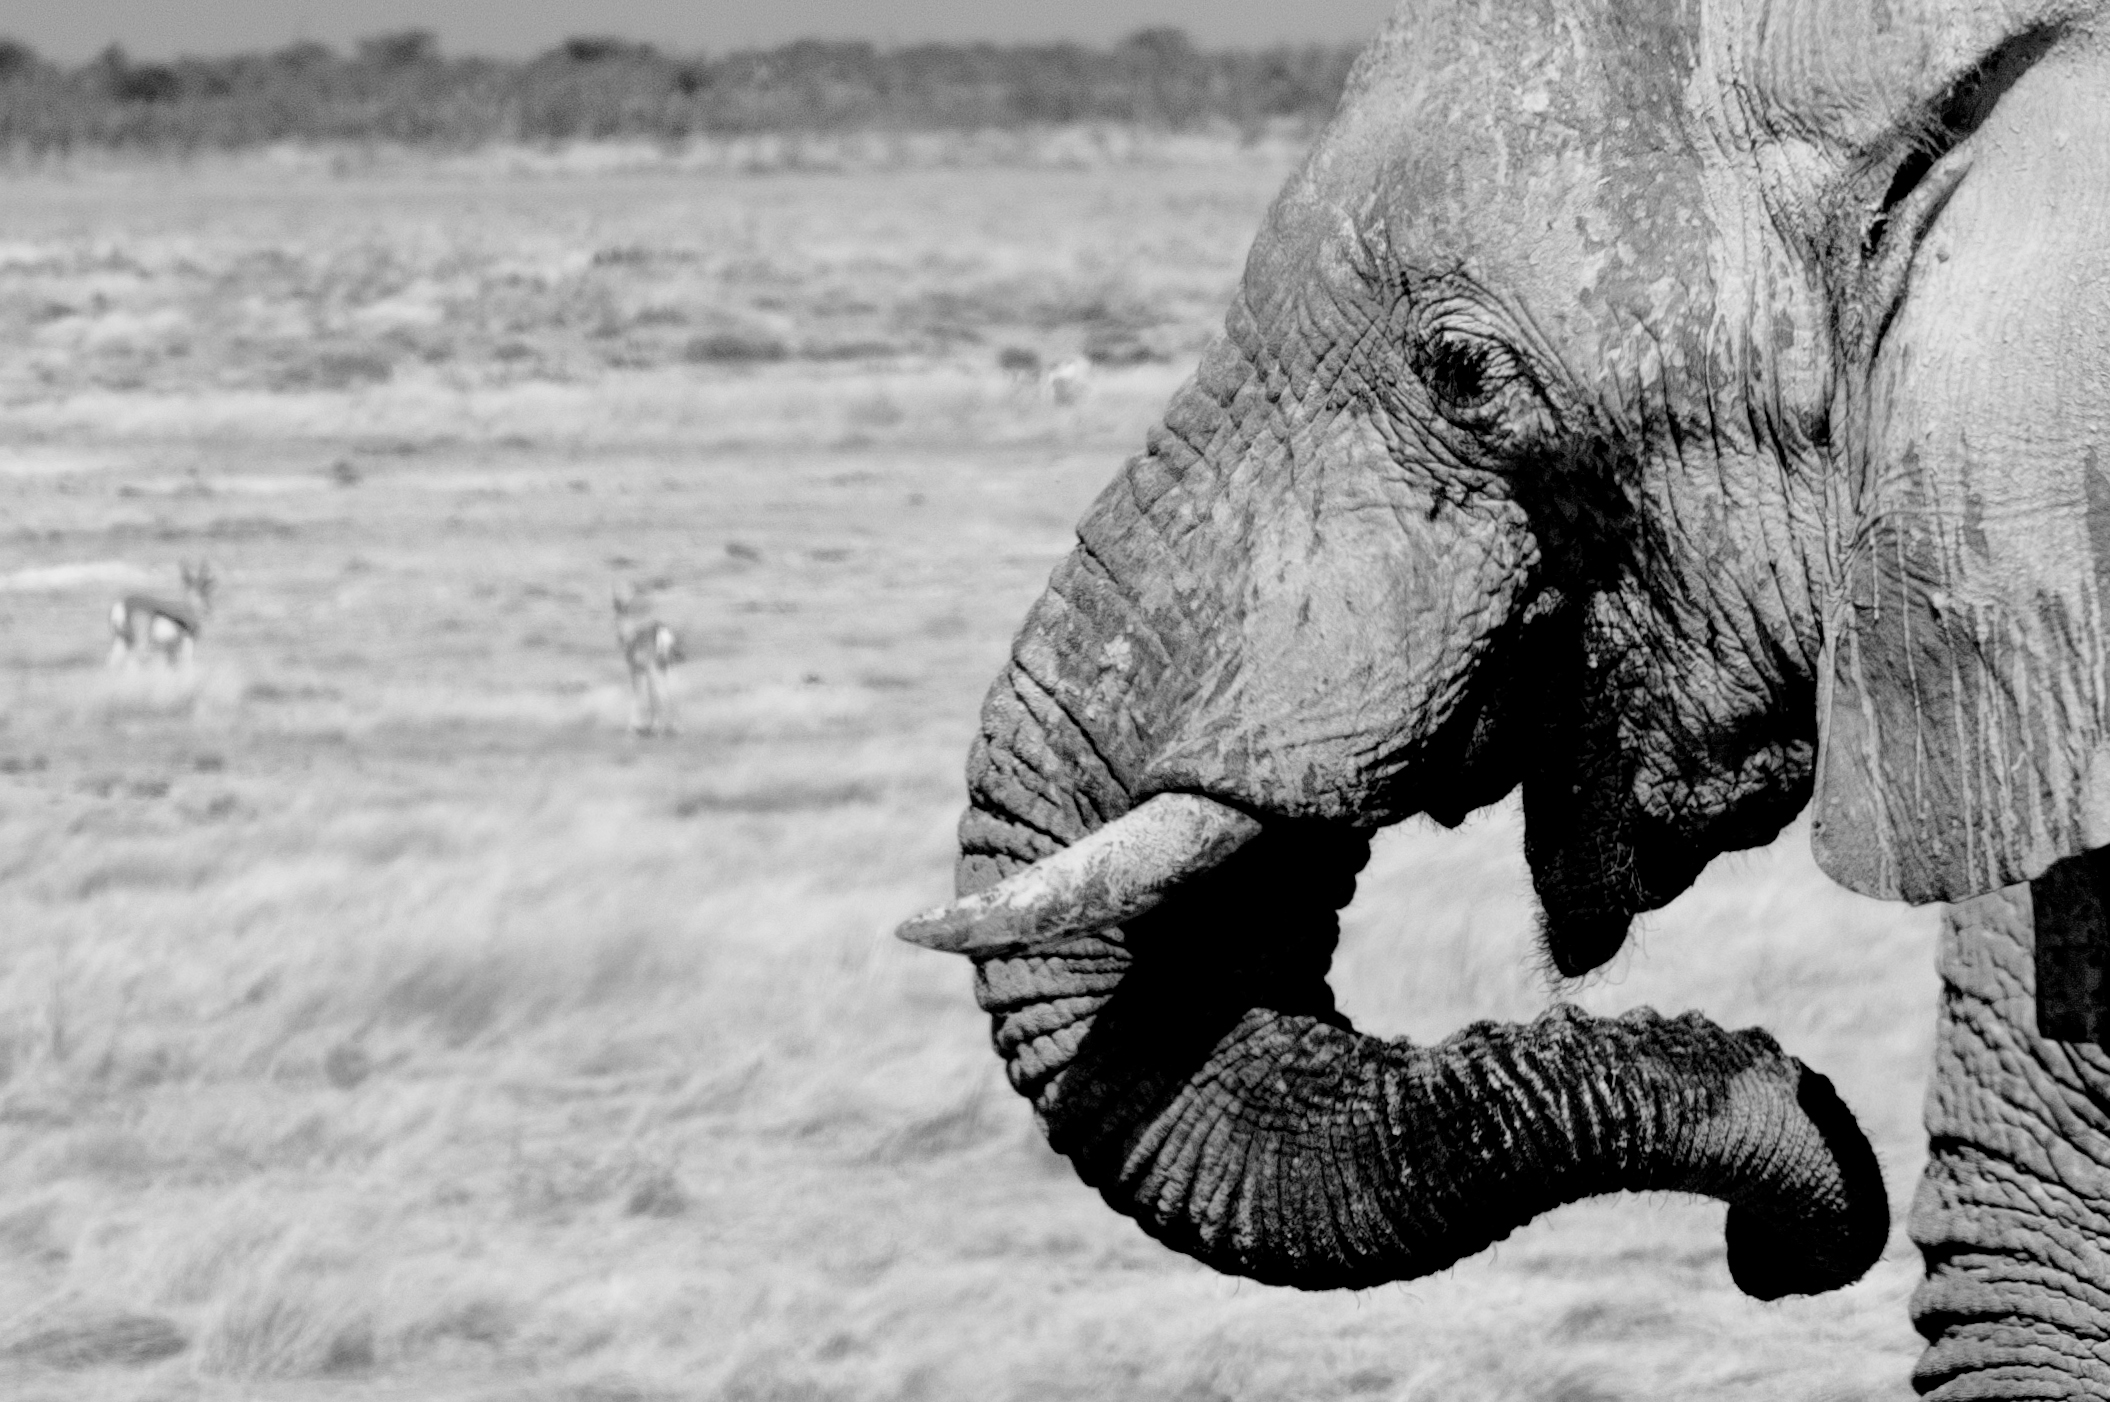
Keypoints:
pixel 379 1019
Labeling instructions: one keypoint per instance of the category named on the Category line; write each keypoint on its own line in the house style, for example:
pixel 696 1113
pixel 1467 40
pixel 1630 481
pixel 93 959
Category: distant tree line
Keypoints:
pixel 401 88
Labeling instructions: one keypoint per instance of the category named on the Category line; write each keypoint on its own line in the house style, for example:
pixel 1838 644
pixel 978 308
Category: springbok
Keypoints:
pixel 1066 380
pixel 141 624
pixel 649 648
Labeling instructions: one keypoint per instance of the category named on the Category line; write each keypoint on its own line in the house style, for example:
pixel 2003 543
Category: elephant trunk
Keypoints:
pixel 1192 1065
pixel 1303 1153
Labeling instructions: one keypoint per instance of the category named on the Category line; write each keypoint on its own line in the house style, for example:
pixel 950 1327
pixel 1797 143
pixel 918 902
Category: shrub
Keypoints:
pixel 149 82
pixel 598 48
pixel 305 54
pixel 405 48
pixel 1117 346
pixel 335 369
pixel 733 348
pixel 16 59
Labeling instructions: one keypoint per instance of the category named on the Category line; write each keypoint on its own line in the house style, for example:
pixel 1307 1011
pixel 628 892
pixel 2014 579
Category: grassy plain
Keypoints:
pixel 378 1019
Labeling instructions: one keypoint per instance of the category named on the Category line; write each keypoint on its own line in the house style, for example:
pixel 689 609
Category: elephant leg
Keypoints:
pixel 2013 1213
pixel 662 704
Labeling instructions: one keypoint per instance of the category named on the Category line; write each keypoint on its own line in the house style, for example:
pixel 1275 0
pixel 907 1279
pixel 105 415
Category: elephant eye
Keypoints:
pixel 1457 373
pixel 1464 374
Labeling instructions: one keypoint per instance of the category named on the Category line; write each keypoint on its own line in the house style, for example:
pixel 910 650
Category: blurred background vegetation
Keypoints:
pixel 400 87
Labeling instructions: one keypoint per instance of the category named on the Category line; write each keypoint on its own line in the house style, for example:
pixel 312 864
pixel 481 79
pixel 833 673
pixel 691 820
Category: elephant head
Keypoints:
pixel 1672 409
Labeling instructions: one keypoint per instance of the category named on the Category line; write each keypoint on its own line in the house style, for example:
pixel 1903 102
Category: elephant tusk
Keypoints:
pixel 1109 876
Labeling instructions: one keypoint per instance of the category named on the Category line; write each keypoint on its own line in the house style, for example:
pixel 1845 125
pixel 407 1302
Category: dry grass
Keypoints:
pixel 378 1020
pixel 445 275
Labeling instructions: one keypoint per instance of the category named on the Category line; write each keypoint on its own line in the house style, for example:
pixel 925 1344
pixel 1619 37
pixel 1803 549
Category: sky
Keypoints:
pixel 73 30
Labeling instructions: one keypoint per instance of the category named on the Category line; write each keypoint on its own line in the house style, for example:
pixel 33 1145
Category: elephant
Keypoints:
pixel 1687 413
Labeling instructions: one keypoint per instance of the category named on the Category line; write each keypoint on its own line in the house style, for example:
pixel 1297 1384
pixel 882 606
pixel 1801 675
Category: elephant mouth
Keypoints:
pixel 1196 911
pixel 1174 851
pixel 1168 844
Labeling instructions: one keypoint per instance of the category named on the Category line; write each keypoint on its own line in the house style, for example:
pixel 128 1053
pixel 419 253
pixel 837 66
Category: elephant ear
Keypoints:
pixel 1966 711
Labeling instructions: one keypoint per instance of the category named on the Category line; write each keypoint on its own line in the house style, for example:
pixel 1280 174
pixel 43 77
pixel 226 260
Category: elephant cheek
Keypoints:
pixel 1359 670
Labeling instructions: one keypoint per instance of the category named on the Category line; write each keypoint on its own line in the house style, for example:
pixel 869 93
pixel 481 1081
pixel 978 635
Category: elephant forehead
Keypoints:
pixel 1549 152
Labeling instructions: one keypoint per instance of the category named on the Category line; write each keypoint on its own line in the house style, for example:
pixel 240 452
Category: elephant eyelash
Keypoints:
pixel 1468 376
pixel 1459 371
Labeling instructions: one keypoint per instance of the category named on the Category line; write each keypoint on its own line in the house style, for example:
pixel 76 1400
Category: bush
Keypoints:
pixel 599 48
pixel 16 59
pixel 1116 347
pixel 406 48
pixel 335 370
pixel 150 82
pixel 733 348
pixel 305 54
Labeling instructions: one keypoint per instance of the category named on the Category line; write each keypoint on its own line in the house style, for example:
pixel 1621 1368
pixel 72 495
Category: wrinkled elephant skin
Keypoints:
pixel 1681 411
